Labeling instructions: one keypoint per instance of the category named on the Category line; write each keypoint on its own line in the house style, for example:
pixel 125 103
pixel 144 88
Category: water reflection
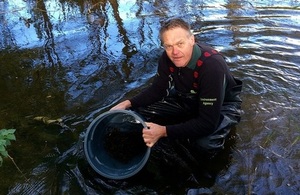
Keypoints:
pixel 74 59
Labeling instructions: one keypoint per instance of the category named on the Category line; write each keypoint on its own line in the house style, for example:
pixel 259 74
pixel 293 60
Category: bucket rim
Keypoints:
pixel 90 129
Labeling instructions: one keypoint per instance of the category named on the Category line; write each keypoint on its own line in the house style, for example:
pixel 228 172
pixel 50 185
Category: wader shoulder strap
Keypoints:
pixel 206 52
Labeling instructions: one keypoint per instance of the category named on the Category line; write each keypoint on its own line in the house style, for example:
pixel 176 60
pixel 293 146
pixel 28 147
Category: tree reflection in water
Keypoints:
pixel 73 60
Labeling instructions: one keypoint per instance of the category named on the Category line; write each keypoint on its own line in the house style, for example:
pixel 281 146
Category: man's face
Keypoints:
pixel 178 44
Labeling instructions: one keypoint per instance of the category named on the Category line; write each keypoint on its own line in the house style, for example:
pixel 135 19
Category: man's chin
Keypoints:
pixel 179 65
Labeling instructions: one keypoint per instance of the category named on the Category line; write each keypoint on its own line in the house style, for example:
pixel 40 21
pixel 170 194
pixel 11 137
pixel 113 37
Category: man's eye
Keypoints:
pixel 180 44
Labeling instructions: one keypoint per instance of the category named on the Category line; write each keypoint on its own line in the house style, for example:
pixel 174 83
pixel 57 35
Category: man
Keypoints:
pixel 192 97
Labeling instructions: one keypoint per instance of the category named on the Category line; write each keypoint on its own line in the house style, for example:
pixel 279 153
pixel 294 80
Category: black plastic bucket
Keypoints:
pixel 114 146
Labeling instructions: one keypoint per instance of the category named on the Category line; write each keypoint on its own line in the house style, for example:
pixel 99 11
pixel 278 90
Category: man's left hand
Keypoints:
pixel 153 133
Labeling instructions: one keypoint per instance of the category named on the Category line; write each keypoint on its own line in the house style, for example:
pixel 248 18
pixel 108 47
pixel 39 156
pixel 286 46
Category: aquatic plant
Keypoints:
pixel 6 136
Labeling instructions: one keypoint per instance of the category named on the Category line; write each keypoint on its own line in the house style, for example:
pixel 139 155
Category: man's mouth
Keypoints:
pixel 176 58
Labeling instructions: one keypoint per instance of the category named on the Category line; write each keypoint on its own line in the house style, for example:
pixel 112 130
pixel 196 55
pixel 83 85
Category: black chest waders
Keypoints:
pixel 179 107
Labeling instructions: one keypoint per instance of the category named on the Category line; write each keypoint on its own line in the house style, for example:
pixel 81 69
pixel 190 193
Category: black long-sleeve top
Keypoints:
pixel 214 81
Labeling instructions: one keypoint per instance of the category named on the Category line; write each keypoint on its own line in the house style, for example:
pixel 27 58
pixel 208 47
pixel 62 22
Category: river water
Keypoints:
pixel 69 61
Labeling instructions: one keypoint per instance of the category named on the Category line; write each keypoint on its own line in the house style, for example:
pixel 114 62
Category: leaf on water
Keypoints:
pixel 10 131
pixel 4 153
pixel 11 137
pixel 2 148
pixel 38 118
pixel 47 120
pixel 7 142
pixel 6 135
pixel 2 141
pixel 3 132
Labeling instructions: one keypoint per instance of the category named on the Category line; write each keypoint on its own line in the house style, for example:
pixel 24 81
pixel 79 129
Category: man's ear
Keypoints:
pixel 192 38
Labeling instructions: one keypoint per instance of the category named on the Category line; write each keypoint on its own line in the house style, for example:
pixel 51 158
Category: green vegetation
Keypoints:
pixel 6 136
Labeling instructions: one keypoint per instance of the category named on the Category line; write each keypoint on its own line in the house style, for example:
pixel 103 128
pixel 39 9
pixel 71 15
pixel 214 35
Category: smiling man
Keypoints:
pixel 193 96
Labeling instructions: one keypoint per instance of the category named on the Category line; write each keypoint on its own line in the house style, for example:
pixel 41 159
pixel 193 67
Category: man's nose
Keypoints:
pixel 175 49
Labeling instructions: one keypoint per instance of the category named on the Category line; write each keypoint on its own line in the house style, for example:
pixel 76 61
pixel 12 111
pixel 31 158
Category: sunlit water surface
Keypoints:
pixel 72 60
